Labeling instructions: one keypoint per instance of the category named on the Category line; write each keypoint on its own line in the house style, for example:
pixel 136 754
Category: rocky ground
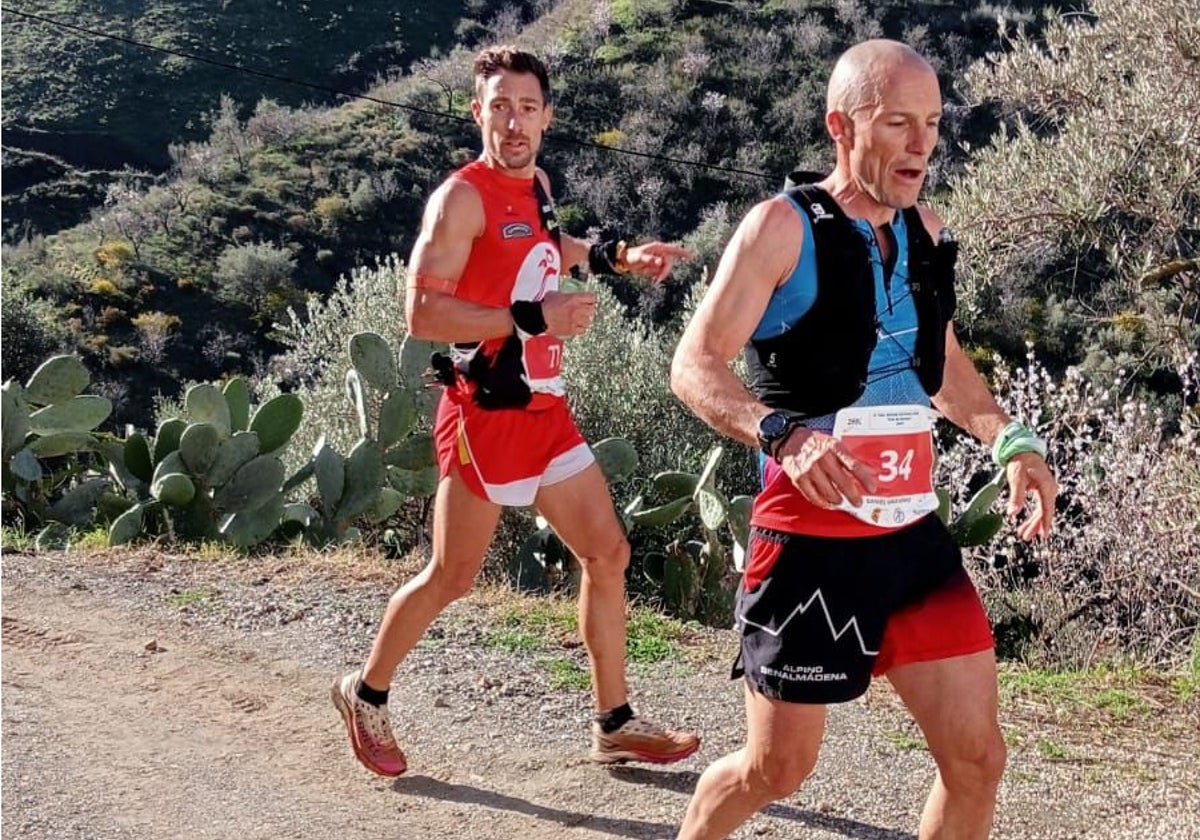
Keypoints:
pixel 155 695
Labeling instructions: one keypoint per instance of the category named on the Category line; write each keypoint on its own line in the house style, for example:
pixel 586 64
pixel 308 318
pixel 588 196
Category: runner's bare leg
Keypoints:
pixel 581 512
pixel 463 526
pixel 955 703
pixel 782 743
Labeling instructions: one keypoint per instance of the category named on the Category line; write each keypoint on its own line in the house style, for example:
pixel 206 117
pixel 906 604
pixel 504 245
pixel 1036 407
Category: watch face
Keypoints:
pixel 773 425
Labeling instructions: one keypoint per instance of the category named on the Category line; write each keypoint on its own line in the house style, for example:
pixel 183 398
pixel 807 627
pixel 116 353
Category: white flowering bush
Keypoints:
pixel 1120 575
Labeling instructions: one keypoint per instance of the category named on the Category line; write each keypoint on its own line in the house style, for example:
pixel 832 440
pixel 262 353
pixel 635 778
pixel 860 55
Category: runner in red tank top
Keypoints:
pixel 484 277
pixel 515 259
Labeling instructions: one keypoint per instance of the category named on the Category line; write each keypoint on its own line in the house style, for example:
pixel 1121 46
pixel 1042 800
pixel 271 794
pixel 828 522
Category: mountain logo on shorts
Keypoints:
pixel 516 230
pixel 803 607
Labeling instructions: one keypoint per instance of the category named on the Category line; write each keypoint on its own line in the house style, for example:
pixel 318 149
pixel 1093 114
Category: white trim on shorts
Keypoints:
pixel 521 493
pixel 570 463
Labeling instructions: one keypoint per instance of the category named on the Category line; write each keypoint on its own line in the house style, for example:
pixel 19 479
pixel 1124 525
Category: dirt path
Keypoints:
pixel 223 729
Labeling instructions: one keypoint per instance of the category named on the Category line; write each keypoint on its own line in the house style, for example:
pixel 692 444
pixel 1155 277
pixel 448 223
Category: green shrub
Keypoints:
pixel 1091 196
pixel 247 274
pixel 32 328
pixel 315 360
pixel 331 209
pixel 617 377
pixel 114 255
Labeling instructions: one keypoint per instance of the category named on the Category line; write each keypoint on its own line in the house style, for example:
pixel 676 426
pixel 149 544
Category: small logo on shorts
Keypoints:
pixel 516 230
pixel 876 514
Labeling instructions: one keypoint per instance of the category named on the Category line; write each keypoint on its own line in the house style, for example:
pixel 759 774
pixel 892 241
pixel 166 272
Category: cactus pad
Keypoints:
pixel 78 414
pixel 252 485
pixel 15 418
pixel 230 457
pixel 198 447
pixel 276 421
pixel 617 458
pixel 372 357
pixel 57 380
pixel 126 527
pixel 174 489
pixel 206 404
pixel 237 398
pixel 414 453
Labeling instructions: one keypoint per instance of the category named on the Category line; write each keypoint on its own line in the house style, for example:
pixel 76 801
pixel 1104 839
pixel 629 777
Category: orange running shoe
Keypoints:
pixel 640 740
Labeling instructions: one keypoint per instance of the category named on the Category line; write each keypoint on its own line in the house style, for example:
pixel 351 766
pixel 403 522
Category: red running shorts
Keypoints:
pixel 505 456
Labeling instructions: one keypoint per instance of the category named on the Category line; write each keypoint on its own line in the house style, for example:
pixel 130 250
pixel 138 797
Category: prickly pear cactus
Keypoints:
pixel 978 524
pixel 617 458
pixel 214 474
pixel 694 576
pixel 393 460
pixel 49 432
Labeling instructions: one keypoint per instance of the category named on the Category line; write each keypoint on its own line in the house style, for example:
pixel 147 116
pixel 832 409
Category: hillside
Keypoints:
pixel 78 108
pixel 276 205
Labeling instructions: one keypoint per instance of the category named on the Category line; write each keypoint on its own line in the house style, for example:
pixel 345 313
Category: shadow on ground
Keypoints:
pixel 471 795
pixel 679 781
pixel 684 781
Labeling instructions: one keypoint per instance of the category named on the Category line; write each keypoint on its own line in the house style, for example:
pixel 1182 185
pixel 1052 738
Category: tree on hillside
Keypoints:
pixel 1081 222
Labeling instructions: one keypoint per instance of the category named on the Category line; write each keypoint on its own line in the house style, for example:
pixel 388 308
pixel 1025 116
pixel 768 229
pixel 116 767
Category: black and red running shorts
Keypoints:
pixel 818 616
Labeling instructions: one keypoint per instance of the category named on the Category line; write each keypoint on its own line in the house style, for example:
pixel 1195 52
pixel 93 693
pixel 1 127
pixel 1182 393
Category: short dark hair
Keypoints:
pixel 492 60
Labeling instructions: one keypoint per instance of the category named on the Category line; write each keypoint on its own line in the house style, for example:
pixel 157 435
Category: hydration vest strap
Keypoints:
pixel 817 204
pixel 546 212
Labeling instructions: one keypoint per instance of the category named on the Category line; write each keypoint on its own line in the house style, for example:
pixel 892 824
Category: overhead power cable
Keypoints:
pixel 278 77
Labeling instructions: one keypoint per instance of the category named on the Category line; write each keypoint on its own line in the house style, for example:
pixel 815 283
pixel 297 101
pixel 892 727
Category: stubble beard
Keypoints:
pixel 514 162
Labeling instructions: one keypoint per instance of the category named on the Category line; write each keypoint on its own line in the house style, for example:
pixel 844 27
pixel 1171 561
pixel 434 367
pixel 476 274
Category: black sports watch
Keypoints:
pixel 774 427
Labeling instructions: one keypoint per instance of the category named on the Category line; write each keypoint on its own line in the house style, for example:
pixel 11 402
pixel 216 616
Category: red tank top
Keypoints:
pixel 514 258
pixel 781 507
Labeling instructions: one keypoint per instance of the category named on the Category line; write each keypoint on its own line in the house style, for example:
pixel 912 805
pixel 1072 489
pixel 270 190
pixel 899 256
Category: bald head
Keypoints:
pixel 860 75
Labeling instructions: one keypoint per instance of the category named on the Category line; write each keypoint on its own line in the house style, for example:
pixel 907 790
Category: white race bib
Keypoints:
pixel 896 442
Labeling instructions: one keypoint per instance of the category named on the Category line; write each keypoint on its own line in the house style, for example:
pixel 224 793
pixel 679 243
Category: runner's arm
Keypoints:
pixel 761 254
pixel 453 220
pixel 651 259
pixel 964 399
pixel 967 402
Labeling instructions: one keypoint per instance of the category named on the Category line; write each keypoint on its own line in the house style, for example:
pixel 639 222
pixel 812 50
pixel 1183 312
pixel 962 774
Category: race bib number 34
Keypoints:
pixel 896 442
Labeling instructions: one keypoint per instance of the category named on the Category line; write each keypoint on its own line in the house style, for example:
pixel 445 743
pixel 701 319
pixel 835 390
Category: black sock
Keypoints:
pixel 371 695
pixel 614 719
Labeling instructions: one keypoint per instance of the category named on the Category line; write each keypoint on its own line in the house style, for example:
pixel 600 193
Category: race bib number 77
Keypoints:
pixel 896 442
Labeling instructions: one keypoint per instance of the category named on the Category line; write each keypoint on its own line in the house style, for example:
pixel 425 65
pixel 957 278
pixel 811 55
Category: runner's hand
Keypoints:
pixel 654 259
pixel 821 468
pixel 568 313
pixel 1028 474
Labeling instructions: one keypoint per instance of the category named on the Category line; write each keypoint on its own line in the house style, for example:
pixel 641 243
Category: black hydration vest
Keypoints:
pixel 820 365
